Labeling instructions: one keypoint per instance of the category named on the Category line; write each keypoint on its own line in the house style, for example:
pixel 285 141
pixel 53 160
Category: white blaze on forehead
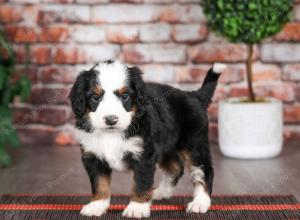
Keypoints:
pixel 112 76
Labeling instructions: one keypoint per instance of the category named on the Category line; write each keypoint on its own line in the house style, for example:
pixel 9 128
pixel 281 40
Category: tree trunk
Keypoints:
pixel 249 73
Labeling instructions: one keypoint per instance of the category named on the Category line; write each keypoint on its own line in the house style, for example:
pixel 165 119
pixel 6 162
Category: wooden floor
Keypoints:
pixel 43 169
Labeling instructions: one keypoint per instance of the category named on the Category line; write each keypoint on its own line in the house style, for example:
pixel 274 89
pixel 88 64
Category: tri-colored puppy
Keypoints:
pixel 124 124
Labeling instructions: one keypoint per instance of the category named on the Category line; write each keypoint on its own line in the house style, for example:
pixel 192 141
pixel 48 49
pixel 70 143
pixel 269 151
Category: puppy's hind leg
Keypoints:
pixel 201 199
pixel 202 176
pixel 172 171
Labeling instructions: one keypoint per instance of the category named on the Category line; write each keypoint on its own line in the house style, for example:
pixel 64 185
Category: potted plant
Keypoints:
pixel 249 127
pixel 12 84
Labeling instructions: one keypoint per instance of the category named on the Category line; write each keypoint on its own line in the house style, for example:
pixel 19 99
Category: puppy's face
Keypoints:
pixel 105 98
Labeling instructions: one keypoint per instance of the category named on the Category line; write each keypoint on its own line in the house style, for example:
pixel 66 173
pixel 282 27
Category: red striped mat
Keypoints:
pixel 26 206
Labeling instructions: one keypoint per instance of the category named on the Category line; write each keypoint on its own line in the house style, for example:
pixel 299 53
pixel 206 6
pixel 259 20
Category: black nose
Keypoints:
pixel 111 120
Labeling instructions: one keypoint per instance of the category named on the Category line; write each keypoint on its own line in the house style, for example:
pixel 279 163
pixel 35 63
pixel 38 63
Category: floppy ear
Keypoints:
pixel 77 96
pixel 139 87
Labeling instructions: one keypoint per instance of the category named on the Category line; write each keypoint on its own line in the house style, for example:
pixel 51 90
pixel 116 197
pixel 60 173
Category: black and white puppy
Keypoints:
pixel 124 124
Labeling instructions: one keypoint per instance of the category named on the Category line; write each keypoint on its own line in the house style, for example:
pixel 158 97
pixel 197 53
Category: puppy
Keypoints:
pixel 123 123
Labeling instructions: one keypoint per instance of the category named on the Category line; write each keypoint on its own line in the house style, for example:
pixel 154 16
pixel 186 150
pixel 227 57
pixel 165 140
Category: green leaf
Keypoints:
pixel 25 86
pixel 239 21
pixel 7 96
pixel 13 138
pixel 252 5
pixel 3 77
pixel 5 159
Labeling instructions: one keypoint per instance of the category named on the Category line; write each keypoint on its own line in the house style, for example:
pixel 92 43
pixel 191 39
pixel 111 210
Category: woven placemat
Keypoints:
pixel 56 207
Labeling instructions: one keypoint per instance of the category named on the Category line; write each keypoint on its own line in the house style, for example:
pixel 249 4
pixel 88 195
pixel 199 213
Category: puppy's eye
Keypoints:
pixel 96 98
pixel 125 97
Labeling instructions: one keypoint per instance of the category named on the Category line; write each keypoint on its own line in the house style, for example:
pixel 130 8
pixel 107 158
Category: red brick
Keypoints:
pixel 129 13
pixel 92 1
pixel 31 12
pixel 30 72
pixel 59 74
pixel 281 91
pixel 51 115
pixel 21 54
pixel 182 13
pixel 159 32
pixel 291 133
pixel 159 1
pixel 70 55
pixel 291 72
pixel 41 115
pixel 297 12
pixel 213 132
pixel 283 52
pixel 124 13
pixel 54 34
pixel 189 33
pixel 213 112
pixel 59 1
pixel 40 55
pixel 10 13
pixel 292 113
pixel 36 135
pixel 21 34
pixel 220 93
pixel 26 1
pixel 86 53
pixel 265 72
pixel 88 34
pixel 158 73
pixel 192 74
pixel 64 13
pixel 23 115
pixel 127 1
pixel 154 53
pixel 297 92
pixel 188 1
pixel 290 32
pixel 123 34
pixel 49 95
pixel 217 53
pixel 238 91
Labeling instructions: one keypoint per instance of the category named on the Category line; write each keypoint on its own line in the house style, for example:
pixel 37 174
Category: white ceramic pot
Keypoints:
pixel 250 130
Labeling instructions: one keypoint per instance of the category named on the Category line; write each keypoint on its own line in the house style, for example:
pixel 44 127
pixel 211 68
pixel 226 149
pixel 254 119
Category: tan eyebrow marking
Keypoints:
pixel 122 90
pixel 97 90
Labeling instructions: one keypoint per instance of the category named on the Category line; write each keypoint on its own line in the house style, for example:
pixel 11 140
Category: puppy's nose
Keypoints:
pixel 111 120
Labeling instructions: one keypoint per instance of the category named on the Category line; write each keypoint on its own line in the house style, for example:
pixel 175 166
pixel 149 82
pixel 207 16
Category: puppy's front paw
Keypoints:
pixel 137 210
pixel 95 208
pixel 199 205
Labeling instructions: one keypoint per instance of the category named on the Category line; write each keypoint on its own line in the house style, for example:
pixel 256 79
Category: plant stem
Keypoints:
pixel 249 73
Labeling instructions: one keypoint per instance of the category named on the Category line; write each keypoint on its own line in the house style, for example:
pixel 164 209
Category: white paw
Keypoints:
pixel 219 67
pixel 95 208
pixel 137 210
pixel 199 205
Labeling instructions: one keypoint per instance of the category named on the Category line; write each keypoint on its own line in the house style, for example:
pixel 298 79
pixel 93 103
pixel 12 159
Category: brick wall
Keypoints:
pixel 168 39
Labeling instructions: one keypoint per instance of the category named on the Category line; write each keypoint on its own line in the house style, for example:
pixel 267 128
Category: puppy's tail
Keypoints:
pixel 206 92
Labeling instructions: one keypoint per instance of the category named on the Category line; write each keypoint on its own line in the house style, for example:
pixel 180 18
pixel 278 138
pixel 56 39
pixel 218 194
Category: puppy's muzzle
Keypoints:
pixel 111 120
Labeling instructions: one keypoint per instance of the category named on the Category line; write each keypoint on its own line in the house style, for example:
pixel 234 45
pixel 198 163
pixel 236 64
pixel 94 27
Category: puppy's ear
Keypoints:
pixel 76 96
pixel 139 87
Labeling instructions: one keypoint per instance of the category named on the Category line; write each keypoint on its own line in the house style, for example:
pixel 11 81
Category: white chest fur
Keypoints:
pixel 110 146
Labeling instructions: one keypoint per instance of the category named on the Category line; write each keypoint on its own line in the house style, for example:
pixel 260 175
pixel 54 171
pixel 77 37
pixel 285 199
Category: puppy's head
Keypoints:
pixel 107 97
